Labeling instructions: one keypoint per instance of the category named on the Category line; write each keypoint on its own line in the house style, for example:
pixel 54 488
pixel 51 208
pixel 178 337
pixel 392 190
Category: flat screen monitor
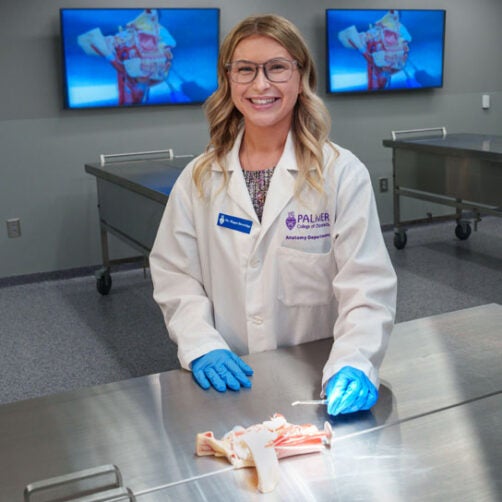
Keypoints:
pixel 371 50
pixel 136 57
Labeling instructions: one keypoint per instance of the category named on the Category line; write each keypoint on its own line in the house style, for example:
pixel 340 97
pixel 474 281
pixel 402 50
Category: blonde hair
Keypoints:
pixel 311 121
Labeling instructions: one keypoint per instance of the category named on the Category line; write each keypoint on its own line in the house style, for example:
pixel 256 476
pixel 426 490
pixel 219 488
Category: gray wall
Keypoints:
pixel 44 148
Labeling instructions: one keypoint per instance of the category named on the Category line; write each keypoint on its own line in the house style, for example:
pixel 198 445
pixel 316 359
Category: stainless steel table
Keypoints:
pixel 463 171
pixel 433 435
pixel 132 195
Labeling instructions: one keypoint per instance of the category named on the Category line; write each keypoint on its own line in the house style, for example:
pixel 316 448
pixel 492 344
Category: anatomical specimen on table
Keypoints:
pixel 262 445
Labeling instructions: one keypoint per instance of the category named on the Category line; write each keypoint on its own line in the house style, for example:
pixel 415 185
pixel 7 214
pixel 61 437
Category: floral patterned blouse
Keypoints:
pixel 258 183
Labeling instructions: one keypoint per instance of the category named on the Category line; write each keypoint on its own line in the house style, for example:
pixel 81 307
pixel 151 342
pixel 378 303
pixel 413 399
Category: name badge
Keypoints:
pixel 234 223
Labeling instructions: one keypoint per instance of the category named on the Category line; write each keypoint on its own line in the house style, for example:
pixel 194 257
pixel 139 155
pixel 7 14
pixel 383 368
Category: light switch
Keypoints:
pixel 485 101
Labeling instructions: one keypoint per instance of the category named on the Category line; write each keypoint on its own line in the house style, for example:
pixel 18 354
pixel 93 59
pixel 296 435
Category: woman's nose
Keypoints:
pixel 261 81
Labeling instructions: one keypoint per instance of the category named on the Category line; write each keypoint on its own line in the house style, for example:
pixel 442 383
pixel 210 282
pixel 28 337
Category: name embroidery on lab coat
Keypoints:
pixel 234 223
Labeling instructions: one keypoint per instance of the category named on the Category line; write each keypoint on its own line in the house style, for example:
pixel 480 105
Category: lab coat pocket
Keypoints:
pixel 305 278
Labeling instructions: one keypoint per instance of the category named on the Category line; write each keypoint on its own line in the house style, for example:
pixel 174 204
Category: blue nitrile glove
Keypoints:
pixel 350 390
pixel 221 369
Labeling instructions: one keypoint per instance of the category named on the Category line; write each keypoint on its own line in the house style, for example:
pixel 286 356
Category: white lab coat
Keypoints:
pixel 314 267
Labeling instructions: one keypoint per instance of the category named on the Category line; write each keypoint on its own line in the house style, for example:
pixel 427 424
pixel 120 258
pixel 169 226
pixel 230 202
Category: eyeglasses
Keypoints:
pixel 276 70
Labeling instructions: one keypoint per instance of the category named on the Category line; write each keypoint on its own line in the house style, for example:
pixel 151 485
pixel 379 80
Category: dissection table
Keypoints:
pixel 132 195
pixel 434 433
pixel 462 170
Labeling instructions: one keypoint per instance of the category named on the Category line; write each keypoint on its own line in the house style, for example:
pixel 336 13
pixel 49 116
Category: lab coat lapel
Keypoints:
pixel 282 186
pixel 237 189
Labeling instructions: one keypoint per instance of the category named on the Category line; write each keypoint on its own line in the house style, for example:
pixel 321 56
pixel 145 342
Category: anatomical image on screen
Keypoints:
pixel 378 50
pixel 131 57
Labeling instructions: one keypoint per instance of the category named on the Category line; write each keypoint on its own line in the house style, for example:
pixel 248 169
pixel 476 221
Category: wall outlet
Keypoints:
pixel 485 102
pixel 383 184
pixel 13 228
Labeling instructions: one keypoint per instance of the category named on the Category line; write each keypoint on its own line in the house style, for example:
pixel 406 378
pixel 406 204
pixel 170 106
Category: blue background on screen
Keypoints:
pixel 347 69
pixel 91 81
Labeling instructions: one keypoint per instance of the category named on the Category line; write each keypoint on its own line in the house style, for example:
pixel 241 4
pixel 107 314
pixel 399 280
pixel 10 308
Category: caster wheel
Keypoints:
pixel 463 231
pixel 400 240
pixel 104 284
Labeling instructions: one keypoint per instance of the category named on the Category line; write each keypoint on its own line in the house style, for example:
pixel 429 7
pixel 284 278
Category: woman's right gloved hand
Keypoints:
pixel 222 369
pixel 350 390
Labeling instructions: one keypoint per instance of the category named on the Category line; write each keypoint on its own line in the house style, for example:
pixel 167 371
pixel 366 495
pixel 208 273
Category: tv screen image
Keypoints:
pixel 370 50
pixel 138 57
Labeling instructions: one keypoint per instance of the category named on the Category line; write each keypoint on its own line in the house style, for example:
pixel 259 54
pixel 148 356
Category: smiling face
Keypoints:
pixel 264 104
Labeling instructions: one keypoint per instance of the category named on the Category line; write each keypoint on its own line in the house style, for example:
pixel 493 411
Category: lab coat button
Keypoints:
pixel 257 320
pixel 255 262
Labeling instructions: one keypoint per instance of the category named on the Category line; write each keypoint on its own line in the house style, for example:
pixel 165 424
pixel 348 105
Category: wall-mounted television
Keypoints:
pixel 370 50
pixel 127 57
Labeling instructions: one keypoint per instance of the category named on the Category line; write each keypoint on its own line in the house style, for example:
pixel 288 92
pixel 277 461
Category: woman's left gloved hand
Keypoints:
pixel 350 390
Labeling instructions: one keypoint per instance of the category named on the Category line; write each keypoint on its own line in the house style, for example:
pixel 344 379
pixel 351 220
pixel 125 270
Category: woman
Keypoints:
pixel 271 237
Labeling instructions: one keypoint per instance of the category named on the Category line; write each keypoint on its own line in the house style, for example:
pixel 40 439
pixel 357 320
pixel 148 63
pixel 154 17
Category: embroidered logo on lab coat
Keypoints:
pixel 291 220
pixel 307 226
pixel 307 221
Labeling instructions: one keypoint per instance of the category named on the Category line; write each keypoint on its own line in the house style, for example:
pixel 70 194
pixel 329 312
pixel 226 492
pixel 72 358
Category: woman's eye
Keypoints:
pixel 276 67
pixel 245 69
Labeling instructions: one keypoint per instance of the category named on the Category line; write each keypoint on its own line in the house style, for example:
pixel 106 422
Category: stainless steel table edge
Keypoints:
pixel 142 408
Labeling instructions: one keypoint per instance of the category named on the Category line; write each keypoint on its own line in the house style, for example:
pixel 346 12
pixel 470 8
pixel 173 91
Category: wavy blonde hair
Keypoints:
pixel 311 122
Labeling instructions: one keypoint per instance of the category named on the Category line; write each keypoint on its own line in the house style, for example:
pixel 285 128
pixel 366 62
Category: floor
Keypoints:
pixel 59 335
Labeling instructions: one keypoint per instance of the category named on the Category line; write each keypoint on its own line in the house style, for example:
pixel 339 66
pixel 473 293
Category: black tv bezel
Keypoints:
pixel 381 91
pixel 64 78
